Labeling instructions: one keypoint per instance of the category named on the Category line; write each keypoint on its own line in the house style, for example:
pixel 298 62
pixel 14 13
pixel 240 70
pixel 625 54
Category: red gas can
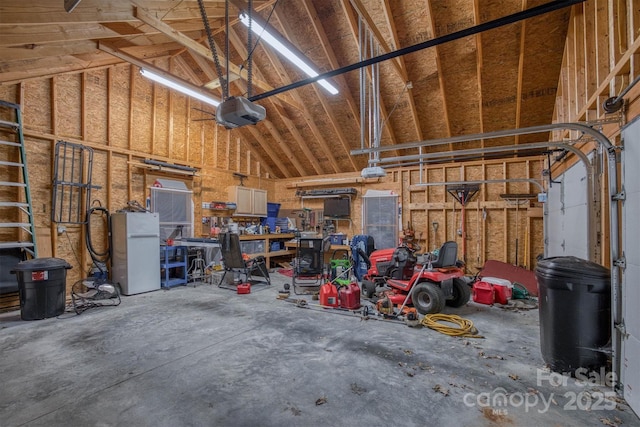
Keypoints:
pixel 502 289
pixel 483 293
pixel 328 295
pixel 244 288
pixel 349 296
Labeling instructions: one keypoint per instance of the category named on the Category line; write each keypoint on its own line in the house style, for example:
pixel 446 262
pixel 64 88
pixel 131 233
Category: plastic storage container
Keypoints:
pixel 244 288
pixel 502 289
pixel 41 284
pixel 483 293
pixel 328 295
pixel 349 296
pixel 337 238
pixel 574 300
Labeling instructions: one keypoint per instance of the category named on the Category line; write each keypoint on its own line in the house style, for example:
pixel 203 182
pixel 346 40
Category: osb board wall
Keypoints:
pixel 124 119
pixel 600 60
pixel 491 224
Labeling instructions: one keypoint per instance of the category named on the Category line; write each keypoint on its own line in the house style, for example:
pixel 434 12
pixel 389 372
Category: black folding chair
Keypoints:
pixel 308 267
pixel 235 263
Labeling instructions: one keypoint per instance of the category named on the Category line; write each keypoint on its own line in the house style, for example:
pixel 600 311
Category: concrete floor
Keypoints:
pixel 205 356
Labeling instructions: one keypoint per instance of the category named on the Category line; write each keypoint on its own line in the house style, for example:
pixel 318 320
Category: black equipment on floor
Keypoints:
pixel 235 263
pixel 308 266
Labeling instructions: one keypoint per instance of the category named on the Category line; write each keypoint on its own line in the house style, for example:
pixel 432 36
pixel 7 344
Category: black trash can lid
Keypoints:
pixel 42 264
pixel 570 266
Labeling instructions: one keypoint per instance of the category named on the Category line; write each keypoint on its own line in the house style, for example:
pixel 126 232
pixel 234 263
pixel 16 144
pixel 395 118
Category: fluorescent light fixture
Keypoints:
pixel 295 58
pixel 186 88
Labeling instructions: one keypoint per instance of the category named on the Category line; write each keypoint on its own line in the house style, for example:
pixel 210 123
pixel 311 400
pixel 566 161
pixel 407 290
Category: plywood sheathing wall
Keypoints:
pixel 124 119
pixel 601 59
pixel 490 222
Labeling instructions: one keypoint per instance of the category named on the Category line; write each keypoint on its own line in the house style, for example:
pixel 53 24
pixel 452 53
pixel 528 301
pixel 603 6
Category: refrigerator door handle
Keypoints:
pixel 137 236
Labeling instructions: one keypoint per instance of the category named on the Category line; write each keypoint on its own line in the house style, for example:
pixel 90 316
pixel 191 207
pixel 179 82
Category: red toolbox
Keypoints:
pixel 244 288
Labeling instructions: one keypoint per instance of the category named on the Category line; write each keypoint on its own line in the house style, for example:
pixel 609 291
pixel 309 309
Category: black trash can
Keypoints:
pixel 574 300
pixel 42 285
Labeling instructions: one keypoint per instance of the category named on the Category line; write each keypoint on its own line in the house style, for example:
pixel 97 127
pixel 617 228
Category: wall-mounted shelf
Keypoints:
pixel 323 194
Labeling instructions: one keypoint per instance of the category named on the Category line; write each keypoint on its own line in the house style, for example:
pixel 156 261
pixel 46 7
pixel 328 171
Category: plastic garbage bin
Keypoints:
pixel 574 303
pixel 41 285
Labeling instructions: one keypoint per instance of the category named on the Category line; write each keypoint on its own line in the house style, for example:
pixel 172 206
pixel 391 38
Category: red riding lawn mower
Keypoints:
pixel 396 277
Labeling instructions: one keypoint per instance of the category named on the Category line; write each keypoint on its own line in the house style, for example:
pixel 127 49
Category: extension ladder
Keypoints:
pixel 17 230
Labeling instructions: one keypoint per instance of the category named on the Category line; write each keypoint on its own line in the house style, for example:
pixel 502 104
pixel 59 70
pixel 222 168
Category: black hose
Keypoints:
pixel 98 257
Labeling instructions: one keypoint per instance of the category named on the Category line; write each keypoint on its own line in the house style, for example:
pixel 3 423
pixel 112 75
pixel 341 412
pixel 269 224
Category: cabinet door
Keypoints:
pixel 244 200
pixel 260 202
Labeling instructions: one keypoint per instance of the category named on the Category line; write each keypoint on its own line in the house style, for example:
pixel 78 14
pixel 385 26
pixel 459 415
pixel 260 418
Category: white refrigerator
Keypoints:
pixel 135 251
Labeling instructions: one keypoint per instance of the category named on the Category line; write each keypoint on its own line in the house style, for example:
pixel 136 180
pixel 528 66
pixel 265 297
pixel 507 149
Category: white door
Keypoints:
pixel 630 294
pixel 567 228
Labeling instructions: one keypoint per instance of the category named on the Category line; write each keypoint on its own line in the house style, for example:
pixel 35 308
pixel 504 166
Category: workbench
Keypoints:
pixel 328 255
pixel 265 245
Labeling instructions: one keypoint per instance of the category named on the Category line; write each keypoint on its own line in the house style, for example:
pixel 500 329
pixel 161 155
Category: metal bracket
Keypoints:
pixel 620 262
pixel 622 329
pixel 619 197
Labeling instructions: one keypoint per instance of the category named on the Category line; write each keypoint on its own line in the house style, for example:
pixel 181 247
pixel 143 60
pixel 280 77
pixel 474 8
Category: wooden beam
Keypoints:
pixel 362 11
pixel 523 33
pixel 143 64
pixel 302 144
pixel 265 148
pixel 241 48
pixel 333 61
pixel 28 12
pixel 325 105
pixel 285 147
pixel 445 110
pixel 383 110
pixel 415 119
pixel 193 45
pixel 479 67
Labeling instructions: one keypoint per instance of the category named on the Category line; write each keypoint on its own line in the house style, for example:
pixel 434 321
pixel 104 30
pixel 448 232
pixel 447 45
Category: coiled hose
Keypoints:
pixel 464 327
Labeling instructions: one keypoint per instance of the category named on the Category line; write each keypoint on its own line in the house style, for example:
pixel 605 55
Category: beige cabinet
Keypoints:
pixel 260 202
pixel 249 201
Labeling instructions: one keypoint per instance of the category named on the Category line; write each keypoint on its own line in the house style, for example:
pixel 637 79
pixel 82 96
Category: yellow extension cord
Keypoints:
pixel 465 327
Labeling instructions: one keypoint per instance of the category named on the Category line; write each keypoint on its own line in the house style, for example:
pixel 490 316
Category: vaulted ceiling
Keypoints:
pixel 501 78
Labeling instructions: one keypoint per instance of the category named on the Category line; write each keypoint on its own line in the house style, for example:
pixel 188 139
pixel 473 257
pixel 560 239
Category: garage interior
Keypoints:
pixel 158 156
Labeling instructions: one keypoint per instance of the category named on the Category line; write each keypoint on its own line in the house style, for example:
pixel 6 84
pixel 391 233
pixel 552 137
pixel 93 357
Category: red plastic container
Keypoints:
pixel 483 293
pixel 502 289
pixel 328 295
pixel 244 288
pixel 349 296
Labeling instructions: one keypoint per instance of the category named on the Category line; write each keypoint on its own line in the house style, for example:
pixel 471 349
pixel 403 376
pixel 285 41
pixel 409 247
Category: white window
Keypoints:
pixel 174 204
pixel 380 213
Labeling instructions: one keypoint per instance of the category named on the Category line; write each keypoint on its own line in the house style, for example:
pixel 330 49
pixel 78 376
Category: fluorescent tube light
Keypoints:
pixel 186 88
pixel 295 59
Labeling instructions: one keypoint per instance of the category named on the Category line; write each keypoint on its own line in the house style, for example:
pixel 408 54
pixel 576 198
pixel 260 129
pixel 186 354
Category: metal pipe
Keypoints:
pixel 489 25
pixel 496 134
pixel 613 180
pixel 590 171
pixel 483 181
pixel 362 83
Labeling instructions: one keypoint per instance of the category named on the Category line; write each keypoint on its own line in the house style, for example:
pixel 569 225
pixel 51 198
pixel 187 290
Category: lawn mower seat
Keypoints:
pixel 447 255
